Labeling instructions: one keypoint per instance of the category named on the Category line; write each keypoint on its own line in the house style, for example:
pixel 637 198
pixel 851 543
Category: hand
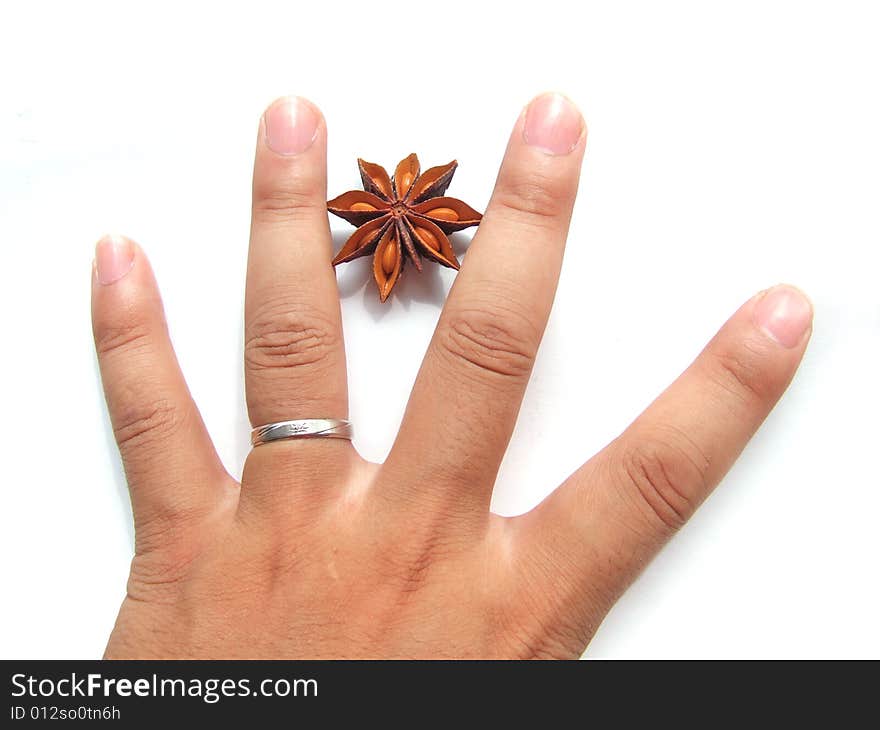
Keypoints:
pixel 318 553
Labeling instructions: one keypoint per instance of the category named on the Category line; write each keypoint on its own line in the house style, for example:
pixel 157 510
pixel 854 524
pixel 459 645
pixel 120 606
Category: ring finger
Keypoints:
pixel 294 353
pixel 294 356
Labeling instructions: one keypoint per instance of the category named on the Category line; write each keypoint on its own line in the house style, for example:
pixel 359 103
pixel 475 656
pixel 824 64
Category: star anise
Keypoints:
pixel 400 218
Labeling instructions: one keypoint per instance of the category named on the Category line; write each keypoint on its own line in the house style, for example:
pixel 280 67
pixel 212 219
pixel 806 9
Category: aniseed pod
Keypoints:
pixel 444 214
pixel 389 258
pixel 428 238
pixel 404 215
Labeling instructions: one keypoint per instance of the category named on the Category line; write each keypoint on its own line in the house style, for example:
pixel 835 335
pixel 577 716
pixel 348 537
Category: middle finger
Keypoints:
pixel 468 392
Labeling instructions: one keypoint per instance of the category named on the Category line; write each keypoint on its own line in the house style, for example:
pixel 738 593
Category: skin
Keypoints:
pixel 318 553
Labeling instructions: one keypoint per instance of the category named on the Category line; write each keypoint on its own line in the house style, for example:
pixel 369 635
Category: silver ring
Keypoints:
pixel 306 428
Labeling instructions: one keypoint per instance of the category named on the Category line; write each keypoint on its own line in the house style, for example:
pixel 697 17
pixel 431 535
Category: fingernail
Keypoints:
pixel 785 314
pixel 114 257
pixel 291 125
pixel 553 124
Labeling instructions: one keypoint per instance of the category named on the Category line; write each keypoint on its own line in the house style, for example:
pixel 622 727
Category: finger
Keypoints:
pixel 294 356
pixel 609 518
pixel 172 469
pixel 468 392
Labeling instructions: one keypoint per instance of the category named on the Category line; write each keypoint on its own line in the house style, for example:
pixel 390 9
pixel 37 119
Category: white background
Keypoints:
pixel 731 146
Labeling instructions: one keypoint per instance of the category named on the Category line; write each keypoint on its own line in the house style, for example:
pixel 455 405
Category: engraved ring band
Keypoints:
pixel 333 428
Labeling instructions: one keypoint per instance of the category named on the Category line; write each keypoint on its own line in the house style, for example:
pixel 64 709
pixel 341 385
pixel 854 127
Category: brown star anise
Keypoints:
pixel 400 218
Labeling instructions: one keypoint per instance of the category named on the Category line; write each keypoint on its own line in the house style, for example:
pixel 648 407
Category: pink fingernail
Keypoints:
pixel 114 257
pixel 291 125
pixel 553 124
pixel 785 314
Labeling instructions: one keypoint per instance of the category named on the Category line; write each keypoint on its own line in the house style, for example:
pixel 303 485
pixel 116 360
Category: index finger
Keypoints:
pixel 612 515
